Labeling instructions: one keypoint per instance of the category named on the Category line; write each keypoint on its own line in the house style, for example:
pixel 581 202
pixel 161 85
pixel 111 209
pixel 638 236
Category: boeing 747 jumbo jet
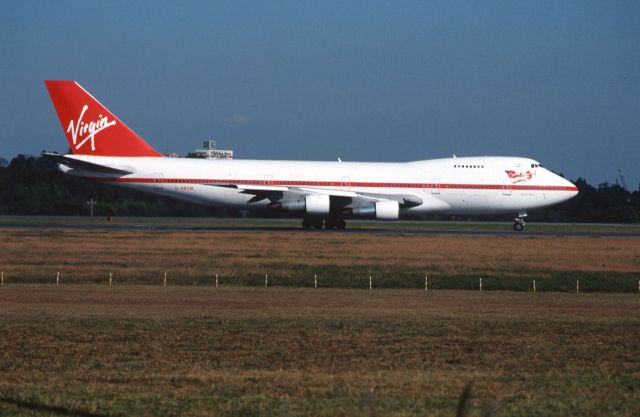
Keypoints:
pixel 324 194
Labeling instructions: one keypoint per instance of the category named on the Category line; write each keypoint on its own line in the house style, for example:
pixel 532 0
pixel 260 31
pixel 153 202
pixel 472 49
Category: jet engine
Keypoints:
pixel 381 210
pixel 313 204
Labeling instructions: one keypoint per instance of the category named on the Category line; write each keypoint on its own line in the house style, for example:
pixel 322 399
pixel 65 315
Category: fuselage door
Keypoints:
pixel 506 187
pixel 157 180
pixel 435 186
pixel 345 182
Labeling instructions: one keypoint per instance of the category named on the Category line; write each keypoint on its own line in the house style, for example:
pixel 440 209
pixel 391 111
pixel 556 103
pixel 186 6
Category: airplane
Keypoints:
pixel 324 194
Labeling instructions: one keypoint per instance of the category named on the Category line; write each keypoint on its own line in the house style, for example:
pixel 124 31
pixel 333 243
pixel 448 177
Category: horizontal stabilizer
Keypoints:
pixel 84 165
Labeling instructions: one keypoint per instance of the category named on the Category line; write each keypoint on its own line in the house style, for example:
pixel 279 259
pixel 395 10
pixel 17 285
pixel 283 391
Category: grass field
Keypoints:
pixel 190 349
pixel 94 350
pixel 339 260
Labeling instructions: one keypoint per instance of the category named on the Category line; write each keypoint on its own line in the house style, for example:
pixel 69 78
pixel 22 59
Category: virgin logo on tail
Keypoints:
pixel 84 132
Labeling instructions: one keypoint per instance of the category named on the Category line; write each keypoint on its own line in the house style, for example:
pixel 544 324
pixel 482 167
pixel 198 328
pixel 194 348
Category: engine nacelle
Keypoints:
pixel 381 210
pixel 294 205
pixel 313 205
pixel 387 210
pixel 317 204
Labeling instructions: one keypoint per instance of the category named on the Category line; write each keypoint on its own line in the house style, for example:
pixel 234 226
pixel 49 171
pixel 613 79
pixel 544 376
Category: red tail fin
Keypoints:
pixel 90 127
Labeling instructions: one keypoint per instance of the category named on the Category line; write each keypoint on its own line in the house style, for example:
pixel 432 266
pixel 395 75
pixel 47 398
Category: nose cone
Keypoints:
pixel 569 189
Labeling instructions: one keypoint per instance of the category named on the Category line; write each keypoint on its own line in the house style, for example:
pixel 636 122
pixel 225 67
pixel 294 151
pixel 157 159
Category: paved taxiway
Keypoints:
pixel 500 230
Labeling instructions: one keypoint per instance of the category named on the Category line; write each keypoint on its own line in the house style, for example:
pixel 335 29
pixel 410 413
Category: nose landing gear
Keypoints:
pixel 519 223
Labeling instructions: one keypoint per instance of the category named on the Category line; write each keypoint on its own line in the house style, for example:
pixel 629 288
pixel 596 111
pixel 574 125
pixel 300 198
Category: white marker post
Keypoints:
pixel 315 280
pixel 266 280
pixel 480 284
pixel 534 285
pixel 426 283
pixel 110 278
pixel 577 286
pixel 57 278
pixel 2 280
pixel 165 280
pixel 370 283
pixel 216 280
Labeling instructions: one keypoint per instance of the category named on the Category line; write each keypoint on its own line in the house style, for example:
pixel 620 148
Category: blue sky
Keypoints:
pixel 558 81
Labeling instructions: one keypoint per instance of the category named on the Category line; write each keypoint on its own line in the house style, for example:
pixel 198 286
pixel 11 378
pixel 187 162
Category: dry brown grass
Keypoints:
pixel 200 351
pixel 136 256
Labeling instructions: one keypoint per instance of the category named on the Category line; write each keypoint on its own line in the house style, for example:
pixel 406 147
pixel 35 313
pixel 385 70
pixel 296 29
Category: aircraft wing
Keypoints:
pixel 85 165
pixel 405 200
pixel 277 193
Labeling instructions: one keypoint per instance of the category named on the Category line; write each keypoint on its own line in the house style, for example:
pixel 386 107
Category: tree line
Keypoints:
pixel 34 186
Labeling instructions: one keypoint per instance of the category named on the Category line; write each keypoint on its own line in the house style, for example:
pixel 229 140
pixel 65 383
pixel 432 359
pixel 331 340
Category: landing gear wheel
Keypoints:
pixel 335 224
pixel 519 221
pixel 312 224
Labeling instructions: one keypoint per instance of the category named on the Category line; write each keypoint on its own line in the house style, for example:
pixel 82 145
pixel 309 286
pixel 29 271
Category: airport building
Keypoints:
pixel 169 154
pixel 210 151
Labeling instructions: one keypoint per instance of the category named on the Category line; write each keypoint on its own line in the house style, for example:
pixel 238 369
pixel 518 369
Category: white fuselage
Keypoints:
pixel 469 185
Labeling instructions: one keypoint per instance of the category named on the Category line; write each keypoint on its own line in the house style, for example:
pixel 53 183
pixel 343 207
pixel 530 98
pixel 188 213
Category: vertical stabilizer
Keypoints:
pixel 90 127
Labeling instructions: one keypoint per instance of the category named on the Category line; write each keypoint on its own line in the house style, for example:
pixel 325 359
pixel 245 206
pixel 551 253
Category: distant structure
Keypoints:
pixel 172 155
pixel 210 151
pixel 620 180
pixel 91 204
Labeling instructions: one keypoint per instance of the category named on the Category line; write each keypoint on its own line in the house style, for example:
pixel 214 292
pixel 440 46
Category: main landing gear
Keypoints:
pixel 335 224
pixel 311 223
pixel 519 223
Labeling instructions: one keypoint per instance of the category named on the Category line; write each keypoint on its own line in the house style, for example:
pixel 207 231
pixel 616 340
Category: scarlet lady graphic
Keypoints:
pixel 519 176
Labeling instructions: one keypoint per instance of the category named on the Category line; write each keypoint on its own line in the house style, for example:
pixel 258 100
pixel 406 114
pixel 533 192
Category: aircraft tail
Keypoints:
pixel 90 127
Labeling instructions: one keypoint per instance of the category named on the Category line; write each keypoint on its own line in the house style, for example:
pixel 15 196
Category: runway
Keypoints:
pixel 486 229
